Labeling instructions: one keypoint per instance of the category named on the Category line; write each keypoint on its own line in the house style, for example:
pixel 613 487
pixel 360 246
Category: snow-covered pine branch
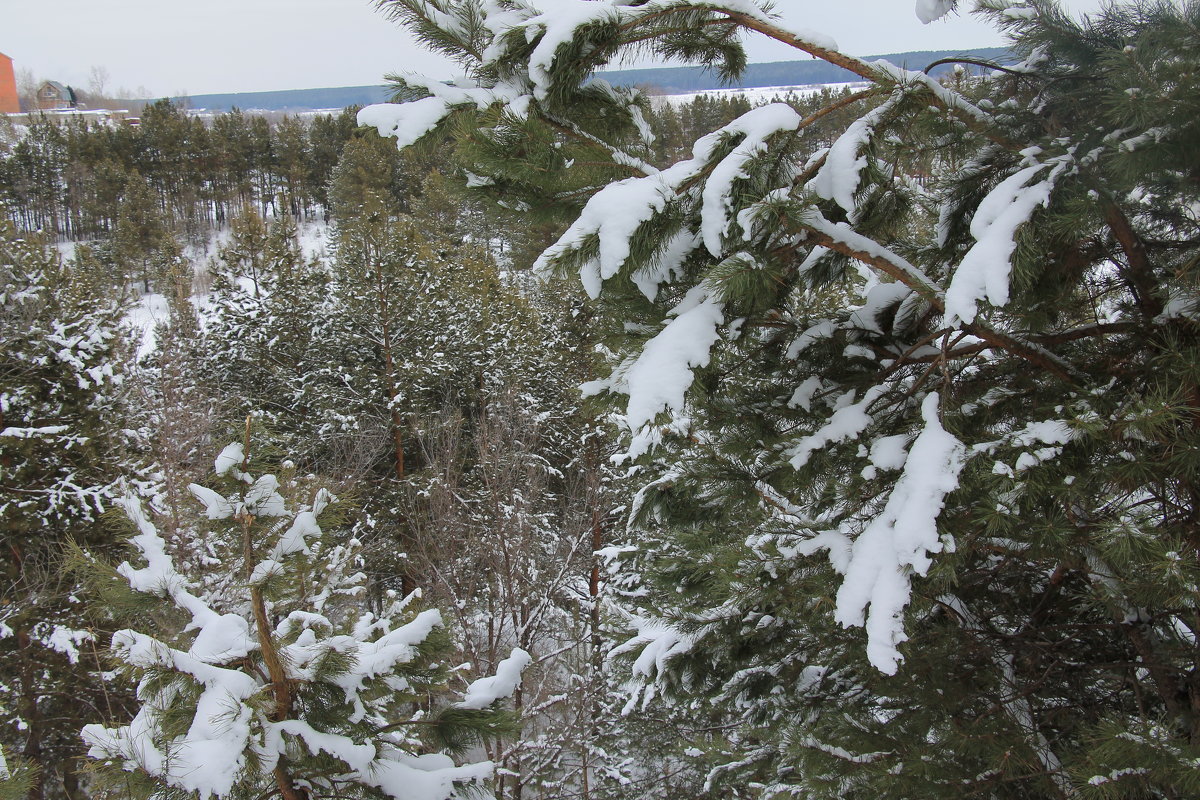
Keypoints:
pixel 953 345
pixel 535 63
pixel 288 684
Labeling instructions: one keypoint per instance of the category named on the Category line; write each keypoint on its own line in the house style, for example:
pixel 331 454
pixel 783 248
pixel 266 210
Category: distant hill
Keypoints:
pixel 669 80
pixel 677 80
pixel 289 99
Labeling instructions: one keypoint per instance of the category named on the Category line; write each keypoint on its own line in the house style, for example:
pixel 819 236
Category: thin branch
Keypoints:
pixel 1139 273
pixel 976 63
pixel 902 272
pixel 855 65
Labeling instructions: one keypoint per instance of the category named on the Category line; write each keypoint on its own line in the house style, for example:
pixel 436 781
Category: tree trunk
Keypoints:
pixel 31 714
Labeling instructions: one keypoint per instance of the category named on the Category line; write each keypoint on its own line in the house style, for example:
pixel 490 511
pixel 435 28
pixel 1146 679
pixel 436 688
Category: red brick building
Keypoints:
pixel 9 104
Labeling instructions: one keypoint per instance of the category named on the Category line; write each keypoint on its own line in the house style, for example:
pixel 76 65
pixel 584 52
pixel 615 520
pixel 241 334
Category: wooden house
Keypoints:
pixel 53 95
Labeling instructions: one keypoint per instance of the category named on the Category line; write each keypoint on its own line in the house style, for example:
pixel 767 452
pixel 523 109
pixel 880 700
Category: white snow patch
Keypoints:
pixel 839 178
pixel 615 213
pixel 228 458
pixel 485 691
pixel 660 376
pixel 984 271
pixel 897 543
pixel 848 422
pixel 932 10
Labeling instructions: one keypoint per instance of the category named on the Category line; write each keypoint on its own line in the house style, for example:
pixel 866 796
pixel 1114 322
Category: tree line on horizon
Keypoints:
pixel 74 178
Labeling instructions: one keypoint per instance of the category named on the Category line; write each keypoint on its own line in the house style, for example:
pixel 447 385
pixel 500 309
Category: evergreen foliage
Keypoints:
pixel 140 230
pixel 16 777
pixel 918 403
pixel 506 489
pixel 904 377
pixel 72 178
pixel 270 677
pixel 63 454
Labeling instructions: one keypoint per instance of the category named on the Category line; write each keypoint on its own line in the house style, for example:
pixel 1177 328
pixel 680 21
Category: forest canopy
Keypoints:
pixel 840 446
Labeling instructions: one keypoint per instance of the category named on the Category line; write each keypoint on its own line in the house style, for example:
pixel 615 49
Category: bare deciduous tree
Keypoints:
pixel 505 541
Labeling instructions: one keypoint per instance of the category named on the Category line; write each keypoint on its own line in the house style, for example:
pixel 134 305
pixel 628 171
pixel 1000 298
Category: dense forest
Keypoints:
pixel 839 447
pixel 411 366
pixel 75 178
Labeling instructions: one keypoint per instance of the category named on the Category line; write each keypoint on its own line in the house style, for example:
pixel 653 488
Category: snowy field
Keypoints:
pixel 758 95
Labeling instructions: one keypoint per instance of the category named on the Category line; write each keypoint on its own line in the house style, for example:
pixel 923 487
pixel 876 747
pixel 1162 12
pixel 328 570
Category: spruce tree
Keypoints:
pixel 914 411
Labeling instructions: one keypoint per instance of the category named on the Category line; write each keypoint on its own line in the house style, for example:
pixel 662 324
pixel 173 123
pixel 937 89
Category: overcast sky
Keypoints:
pixel 173 47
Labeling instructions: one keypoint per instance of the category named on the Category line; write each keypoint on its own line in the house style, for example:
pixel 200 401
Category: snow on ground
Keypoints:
pixel 145 315
pixel 66 249
pixel 150 310
pixel 759 95
pixel 314 238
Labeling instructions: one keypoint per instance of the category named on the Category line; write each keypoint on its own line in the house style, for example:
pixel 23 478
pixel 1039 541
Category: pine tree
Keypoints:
pixel 244 254
pixel 173 380
pixel 416 328
pixel 139 231
pixel 290 143
pixel 914 411
pixel 327 138
pixel 65 447
pixel 367 167
pixel 278 681
pixel 437 207
pixel 267 338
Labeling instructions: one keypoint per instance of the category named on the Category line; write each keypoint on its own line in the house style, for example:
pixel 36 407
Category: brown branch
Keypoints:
pixel 1139 273
pixel 1164 678
pixel 855 65
pixel 946 355
pixel 976 63
pixel 1003 341
pixel 1088 331
pixel 1022 350
pixel 811 170
pixel 860 68
pixel 280 685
